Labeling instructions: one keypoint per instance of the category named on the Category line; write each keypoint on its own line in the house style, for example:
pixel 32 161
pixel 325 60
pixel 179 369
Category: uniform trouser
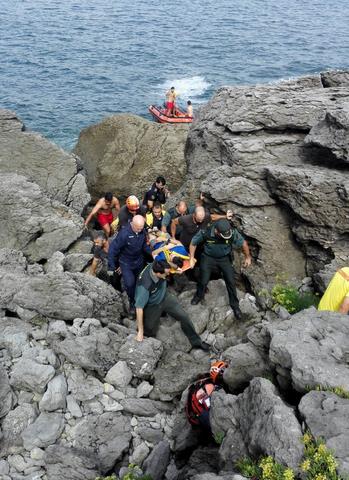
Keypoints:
pixel 130 272
pixel 224 265
pixel 170 305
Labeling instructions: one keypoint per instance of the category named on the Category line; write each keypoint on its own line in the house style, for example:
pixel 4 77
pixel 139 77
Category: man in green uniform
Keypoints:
pixel 152 299
pixel 218 240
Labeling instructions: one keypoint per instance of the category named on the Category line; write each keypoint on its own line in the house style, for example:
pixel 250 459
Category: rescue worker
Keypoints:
pixel 104 212
pixel 158 192
pixel 179 210
pixel 154 218
pixel 152 300
pixel 336 296
pixel 218 240
pixel 126 255
pixel 129 210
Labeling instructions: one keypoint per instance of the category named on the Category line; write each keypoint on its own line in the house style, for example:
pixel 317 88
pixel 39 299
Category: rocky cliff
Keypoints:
pixel 79 397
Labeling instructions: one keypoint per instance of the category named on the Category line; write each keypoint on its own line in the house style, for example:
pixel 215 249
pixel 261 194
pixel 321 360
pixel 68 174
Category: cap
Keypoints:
pixel 224 228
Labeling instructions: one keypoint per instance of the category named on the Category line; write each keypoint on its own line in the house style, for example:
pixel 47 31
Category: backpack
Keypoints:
pixel 199 401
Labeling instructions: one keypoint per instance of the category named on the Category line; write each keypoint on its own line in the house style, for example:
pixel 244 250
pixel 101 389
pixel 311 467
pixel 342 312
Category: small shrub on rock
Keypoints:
pixel 289 297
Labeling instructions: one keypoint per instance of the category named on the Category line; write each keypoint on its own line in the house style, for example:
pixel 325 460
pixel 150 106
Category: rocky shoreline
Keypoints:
pixel 79 397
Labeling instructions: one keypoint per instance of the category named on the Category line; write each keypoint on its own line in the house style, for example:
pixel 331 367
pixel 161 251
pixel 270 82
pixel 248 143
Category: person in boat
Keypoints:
pixel 158 192
pixel 189 109
pixel 165 248
pixel 104 212
pixel 336 296
pixel 154 218
pixel 171 96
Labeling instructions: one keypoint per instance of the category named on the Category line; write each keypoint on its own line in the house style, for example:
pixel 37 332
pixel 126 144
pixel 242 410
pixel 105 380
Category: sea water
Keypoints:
pixel 66 64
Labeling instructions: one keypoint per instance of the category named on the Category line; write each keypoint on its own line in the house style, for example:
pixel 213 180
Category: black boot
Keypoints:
pixel 237 313
pixel 195 300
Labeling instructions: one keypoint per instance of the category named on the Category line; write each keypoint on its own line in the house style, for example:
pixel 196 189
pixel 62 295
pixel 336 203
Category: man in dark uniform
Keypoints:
pixel 218 240
pixel 157 193
pixel 152 299
pixel 127 250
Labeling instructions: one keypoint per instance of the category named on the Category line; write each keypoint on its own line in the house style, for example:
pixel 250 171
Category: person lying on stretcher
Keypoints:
pixel 172 251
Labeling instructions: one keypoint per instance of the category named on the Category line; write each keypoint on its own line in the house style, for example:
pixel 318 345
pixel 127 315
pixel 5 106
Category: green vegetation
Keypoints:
pixel 134 473
pixel 318 464
pixel 339 391
pixel 219 437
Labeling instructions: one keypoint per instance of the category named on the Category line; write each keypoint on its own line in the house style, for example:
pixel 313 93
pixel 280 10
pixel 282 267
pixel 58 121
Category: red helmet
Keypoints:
pixel 217 370
pixel 132 203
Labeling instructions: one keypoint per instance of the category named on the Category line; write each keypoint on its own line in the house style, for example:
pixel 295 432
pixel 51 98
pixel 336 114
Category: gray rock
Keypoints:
pixel 81 246
pixel 143 389
pixel 46 429
pixel 245 362
pixel 30 375
pixel 311 349
pixel 37 159
pixel 7 398
pixel 13 425
pixel 83 387
pixel 97 351
pixel 324 414
pixel 213 476
pixel 150 434
pixel 119 375
pixel 141 357
pixel 70 463
pixel 9 122
pixel 332 133
pixel 73 407
pixel 14 336
pixel 32 222
pixel 12 260
pixel 125 153
pixel 144 406
pixel 175 372
pixel 139 454
pixel 107 435
pixel 55 263
pixel 156 464
pixel 55 396
pixel 4 467
pixel 335 78
pixel 77 262
pixel 72 295
pixel 256 421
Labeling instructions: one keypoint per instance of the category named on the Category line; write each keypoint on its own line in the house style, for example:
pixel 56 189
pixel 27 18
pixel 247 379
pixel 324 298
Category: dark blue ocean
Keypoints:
pixel 67 64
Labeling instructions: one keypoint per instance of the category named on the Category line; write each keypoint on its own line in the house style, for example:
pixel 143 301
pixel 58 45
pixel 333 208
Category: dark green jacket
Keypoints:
pixel 214 245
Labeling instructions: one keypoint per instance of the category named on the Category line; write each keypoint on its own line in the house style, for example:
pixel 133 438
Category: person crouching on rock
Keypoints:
pixel 127 250
pixel 104 211
pixel 198 404
pixel 152 300
pixel 336 296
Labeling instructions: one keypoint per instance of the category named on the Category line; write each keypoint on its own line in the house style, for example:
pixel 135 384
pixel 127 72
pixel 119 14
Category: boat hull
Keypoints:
pixel 160 116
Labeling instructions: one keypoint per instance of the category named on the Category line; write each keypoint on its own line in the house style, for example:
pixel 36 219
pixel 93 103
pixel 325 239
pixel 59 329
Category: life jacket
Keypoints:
pixel 199 401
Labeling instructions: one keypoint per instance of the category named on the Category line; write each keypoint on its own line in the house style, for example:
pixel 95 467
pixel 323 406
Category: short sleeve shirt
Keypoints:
pixel 190 227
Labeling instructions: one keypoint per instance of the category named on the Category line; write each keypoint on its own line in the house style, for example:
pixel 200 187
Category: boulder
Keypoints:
pixel 72 295
pixel 55 396
pixel 30 375
pixel 324 414
pixel 13 425
pixel 256 422
pixel 70 463
pixel 332 133
pixel 245 362
pixel 144 407
pixel 141 357
pixel 125 153
pixel 7 398
pixel 335 78
pixel 32 222
pixel 77 262
pixel 156 464
pixel 239 138
pixel 83 387
pixel 107 435
pixel 46 429
pixel 119 375
pixel 311 349
pixel 30 155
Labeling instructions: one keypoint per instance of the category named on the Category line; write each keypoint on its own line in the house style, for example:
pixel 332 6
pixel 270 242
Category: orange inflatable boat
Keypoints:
pixel 161 117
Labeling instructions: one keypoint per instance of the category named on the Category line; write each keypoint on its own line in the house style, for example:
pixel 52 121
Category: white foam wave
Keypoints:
pixel 188 87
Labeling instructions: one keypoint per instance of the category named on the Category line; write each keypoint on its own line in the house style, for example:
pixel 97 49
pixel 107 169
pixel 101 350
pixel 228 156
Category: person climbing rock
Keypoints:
pixel 152 300
pixel 154 218
pixel 104 212
pixel 126 255
pixel 198 404
pixel 218 240
pixel 336 296
pixel 179 210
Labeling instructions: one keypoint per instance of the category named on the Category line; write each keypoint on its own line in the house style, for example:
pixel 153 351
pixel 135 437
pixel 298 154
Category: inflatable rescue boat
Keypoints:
pixel 160 116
